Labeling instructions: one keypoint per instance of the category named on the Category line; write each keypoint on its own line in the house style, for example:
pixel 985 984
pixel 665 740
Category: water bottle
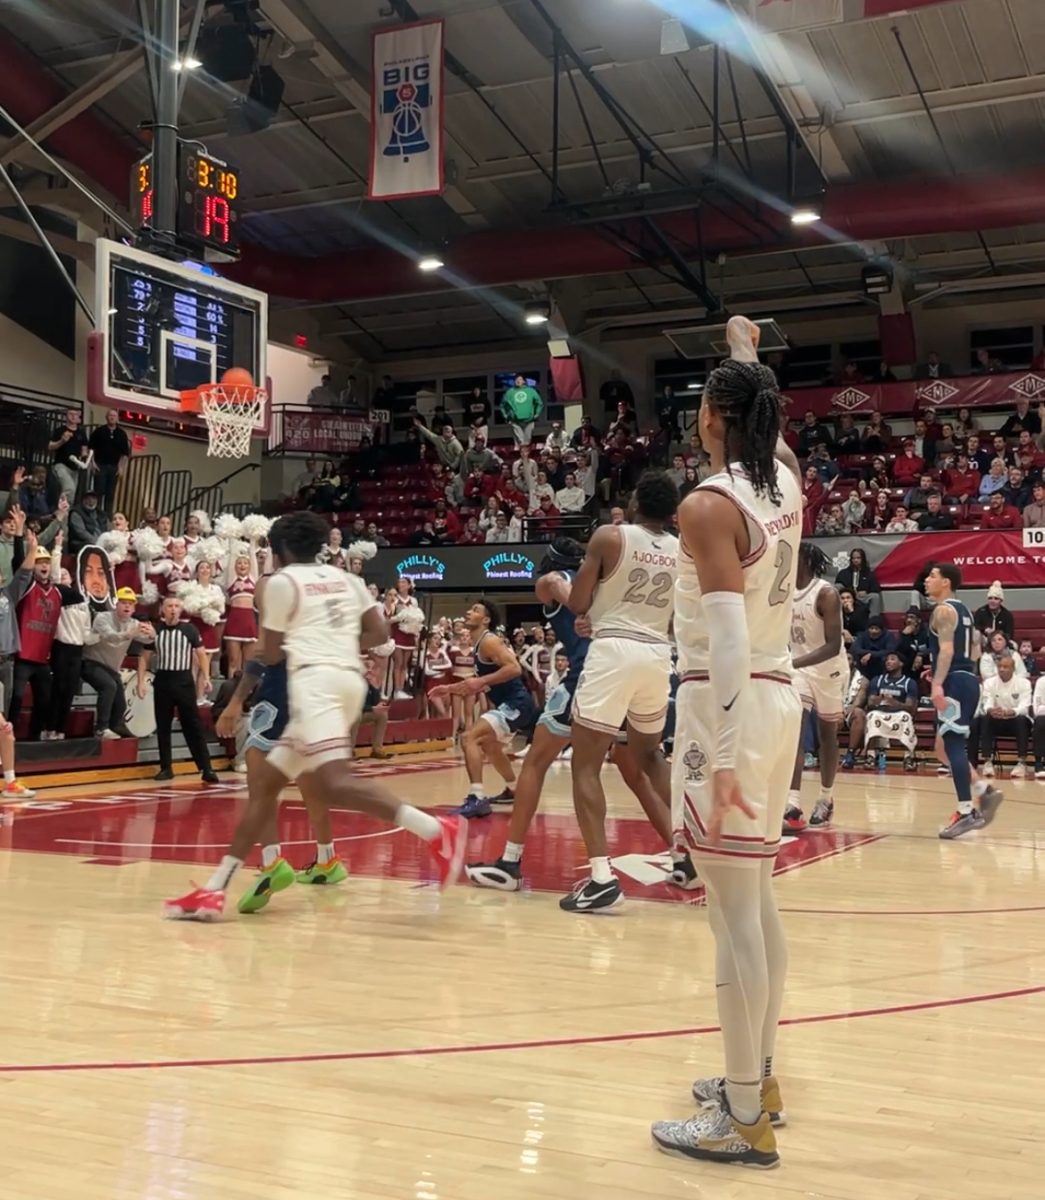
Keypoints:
pixel 882 762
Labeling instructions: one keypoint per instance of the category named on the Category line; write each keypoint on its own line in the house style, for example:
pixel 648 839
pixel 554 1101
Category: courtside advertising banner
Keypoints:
pixel 406 111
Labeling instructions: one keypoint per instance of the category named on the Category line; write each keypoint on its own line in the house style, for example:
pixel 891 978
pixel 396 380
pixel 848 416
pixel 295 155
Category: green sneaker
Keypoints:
pixel 331 872
pixel 273 879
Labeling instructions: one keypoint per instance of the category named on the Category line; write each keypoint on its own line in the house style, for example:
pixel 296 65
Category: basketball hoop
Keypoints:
pixel 232 412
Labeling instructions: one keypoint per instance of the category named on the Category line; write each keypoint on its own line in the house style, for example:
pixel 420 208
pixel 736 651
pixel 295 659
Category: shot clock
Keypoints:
pixel 207 212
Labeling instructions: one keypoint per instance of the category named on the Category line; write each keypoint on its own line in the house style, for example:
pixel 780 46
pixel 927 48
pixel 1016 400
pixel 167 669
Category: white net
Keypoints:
pixel 232 414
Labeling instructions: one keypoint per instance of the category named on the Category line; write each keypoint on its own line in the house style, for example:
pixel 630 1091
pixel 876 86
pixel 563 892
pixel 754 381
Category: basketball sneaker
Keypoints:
pixel 448 850
pixel 505 797
pixel 684 874
pixel 589 896
pixel 201 904
pixel 822 813
pixel 849 760
pixel 473 808
pixel 271 880
pixel 715 1135
pixel 943 770
pixel 706 1091
pixel 323 873
pixel 910 762
pixel 794 822
pixel 989 803
pixel 501 875
pixel 987 769
pixel 1039 770
pixel 17 791
pixel 962 823
pixel 1019 771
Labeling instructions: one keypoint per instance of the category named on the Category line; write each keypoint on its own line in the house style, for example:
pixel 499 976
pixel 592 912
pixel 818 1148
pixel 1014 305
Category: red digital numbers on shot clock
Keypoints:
pixel 208 193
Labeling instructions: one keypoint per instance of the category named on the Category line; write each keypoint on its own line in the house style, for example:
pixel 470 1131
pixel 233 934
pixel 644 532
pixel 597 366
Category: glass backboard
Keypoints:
pixel 165 327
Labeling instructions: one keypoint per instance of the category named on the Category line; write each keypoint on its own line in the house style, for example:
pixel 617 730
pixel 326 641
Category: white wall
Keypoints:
pixel 26 361
pixel 293 373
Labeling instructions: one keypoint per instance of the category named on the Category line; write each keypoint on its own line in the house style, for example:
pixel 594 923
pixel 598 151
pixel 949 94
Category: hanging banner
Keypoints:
pixel 903 399
pixel 321 433
pixel 406 111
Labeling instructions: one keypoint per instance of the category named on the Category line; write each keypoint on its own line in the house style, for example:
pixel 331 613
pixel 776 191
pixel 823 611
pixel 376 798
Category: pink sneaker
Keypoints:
pixel 17 791
pixel 199 905
pixel 449 850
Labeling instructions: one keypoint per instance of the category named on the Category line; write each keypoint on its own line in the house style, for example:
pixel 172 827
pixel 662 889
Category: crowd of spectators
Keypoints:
pixel 946 474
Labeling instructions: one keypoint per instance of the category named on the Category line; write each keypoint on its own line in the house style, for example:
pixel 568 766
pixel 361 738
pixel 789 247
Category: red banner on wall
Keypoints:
pixel 982 555
pixel 904 399
pixel 321 433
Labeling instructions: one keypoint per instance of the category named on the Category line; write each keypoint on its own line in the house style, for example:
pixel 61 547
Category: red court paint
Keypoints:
pixel 193 824
pixel 504 1047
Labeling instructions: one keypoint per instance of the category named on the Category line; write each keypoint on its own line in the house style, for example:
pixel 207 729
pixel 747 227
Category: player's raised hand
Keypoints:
pixel 742 336
pixel 726 795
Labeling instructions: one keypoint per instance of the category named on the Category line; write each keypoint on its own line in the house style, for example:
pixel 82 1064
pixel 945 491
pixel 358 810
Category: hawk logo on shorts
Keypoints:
pixel 695 761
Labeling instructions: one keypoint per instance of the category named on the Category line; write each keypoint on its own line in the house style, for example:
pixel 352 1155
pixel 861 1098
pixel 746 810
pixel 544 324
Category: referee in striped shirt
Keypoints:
pixel 177 643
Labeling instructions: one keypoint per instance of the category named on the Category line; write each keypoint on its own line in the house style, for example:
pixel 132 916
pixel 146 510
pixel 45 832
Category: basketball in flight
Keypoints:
pixel 238 377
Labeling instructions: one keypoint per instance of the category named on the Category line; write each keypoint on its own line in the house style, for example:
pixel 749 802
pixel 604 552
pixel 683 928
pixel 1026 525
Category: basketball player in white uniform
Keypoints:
pixel 738 719
pixel 321 619
pixel 623 595
pixel 822 677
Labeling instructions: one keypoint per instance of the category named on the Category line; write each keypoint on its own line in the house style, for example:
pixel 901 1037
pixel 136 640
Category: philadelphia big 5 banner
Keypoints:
pixel 406 111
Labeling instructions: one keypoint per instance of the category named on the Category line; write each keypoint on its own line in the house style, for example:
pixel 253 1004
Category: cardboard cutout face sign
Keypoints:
pixel 94 575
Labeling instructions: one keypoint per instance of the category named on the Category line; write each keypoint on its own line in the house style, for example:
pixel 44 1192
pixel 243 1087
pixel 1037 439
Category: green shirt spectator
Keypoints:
pixel 521 405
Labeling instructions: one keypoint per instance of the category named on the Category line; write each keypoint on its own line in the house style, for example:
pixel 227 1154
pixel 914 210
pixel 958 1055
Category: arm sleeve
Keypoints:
pixel 729 671
pixel 1024 699
pixel 280 602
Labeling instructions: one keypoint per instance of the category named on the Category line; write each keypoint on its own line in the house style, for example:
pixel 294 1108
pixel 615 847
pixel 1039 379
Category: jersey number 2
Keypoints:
pixel 781 589
pixel 639 578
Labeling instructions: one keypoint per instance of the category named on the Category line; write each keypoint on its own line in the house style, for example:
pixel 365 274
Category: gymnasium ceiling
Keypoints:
pixel 844 95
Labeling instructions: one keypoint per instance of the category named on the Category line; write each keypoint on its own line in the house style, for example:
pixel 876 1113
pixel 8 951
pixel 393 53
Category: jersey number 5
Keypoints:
pixel 782 587
pixel 639 579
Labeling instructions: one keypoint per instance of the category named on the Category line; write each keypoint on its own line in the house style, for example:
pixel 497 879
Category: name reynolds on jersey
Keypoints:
pixel 786 521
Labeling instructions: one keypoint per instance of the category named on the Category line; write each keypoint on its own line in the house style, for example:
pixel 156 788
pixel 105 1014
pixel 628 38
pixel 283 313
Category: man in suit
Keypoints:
pixel 933 368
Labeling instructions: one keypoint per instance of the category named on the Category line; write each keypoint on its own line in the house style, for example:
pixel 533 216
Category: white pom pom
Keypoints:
pixel 150 592
pixel 254 526
pixel 148 544
pixel 241 550
pixel 210 614
pixel 411 620
pixel 203 517
pixel 163 567
pixel 384 651
pixel 208 550
pixel 363 550
pixel 228 526
pixel 115 543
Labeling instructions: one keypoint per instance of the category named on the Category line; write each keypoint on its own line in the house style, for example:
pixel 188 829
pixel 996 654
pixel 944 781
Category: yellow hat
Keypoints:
pixel 127 594
pixel 42 555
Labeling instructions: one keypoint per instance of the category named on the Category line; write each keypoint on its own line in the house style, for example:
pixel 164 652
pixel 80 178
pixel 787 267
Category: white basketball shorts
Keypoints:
pixel 766 758
pixel 325 703
pixel 623 680
pixel 823 688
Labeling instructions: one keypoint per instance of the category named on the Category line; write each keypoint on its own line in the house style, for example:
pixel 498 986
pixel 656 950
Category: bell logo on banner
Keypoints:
pixel 406 127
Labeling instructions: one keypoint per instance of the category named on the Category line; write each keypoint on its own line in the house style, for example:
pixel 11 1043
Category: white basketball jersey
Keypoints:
pixel 319 610
pixel 775 530
pixel 637 599
pixel 807 629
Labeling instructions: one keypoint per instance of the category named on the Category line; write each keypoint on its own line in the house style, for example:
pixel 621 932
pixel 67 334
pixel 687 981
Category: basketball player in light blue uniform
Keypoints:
pixel 555 729
pixel 956 695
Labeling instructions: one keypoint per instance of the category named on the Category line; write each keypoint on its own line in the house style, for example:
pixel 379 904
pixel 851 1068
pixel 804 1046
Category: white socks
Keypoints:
pixel 269 854
pixel 414 821
pixel 513 852
pixel 222 877
pixel 324 852
pixel 600 870
pixel 477 790
pixel 9 777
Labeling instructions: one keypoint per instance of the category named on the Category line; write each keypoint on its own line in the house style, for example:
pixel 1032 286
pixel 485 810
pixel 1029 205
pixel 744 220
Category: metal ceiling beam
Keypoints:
pixel 121 68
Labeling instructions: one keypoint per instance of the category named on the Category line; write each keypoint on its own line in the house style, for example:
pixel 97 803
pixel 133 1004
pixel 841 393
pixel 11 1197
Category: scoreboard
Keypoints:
pixel 208 212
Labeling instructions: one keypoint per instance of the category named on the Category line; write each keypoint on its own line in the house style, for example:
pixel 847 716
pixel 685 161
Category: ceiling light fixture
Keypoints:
pixel 805 216
pixel 430 262
pixel 537 314
pixel 186 64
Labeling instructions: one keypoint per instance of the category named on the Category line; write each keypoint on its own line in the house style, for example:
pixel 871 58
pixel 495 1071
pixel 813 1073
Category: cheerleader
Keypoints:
pixel 165 531
pixel 167 573
pixel 241 626
pixel 407 621
pixel 333 553
pixel 204 602
pixel 118 543
pixel 438 669
pixel 462 659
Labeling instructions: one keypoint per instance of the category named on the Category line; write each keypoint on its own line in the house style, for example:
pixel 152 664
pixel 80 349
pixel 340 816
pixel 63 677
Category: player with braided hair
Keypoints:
pixel 738 720
pixel 822 676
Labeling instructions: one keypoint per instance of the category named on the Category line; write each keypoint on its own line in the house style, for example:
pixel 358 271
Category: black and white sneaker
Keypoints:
pixel 684 874
pixel 502 876
pixel 589 896
pixel 505 797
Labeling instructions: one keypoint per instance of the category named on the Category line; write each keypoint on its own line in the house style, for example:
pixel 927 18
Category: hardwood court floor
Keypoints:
pixel 380 1041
